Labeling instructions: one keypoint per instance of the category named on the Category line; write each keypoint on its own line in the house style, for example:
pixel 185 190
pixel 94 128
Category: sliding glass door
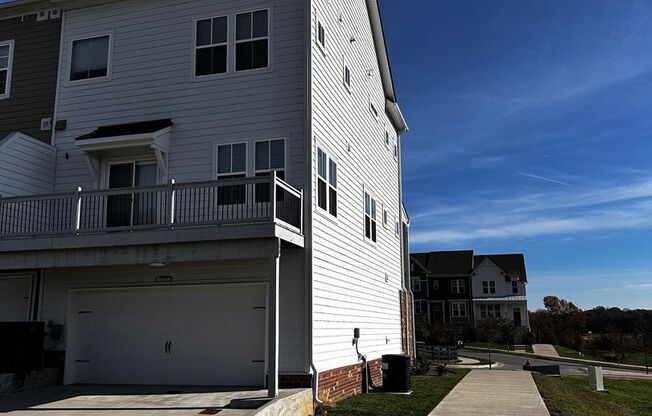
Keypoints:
pixel 137 208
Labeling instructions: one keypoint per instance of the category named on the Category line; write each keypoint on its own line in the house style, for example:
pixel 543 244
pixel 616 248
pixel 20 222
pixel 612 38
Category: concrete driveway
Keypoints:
pixel 128 400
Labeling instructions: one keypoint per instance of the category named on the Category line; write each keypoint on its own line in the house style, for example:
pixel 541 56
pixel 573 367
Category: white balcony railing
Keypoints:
pixel 217 202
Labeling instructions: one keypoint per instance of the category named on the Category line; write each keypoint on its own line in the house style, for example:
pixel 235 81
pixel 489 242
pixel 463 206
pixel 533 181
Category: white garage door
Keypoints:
pixel 14 298
pixel 194 335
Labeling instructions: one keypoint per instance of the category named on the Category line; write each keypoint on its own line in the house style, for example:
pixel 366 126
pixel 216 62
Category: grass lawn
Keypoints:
pixel 528 348
pixel 632 358
pixel 428 392
pixel 571 396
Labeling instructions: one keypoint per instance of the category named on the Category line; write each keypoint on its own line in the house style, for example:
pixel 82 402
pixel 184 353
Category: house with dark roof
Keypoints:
pixel 441 284
pixel 498 288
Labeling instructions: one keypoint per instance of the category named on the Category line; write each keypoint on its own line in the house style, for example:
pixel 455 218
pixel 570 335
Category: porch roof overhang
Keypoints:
pixel 145 136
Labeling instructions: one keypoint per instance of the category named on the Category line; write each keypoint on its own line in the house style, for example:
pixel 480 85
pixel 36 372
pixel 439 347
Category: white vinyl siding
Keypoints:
pixel 26 166
pixel 6 64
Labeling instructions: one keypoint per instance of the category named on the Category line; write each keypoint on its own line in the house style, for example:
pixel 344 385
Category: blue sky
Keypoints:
pixel 531 131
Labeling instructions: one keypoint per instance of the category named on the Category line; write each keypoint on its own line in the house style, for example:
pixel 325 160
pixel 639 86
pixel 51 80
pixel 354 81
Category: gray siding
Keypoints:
pixel 152 78
pixel 34 78
pixel 26 166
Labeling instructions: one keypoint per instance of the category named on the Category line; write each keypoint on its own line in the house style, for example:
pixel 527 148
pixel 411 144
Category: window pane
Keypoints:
pixel 373 231
pixel 4 50
pixel 203 62
pixel 367 226
pixel 146 175
pixel 367 204
pixel 3 82
pixel 373 209
pixel 81 50
pixel 4 62
pixel 220 29
pixel 204 32
pixel 243 26
pixel 260 24
pixel 259 52
pixel 218 60
pixel 321 163
pixel 277 154
pixel 99 57
pixel 332 173
pixel 239 160
pixel 262 155
pixel 321 194
pixel 332 197
pixel 224 159
pixel 243 58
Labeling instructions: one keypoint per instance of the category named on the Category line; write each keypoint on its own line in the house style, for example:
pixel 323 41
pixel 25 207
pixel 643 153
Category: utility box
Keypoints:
pixel 397 373
pixel 595 378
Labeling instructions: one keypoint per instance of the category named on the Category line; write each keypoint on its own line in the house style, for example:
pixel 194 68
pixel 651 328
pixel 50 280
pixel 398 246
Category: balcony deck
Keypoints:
pixel 174 212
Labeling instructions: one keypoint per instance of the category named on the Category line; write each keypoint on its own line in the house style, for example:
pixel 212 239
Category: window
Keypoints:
pixel 387 139
pixel 90 58
pixel 385 218
pixel 251 40
pixel 419 307
pixel 490 311
pixel 515 287
pixel 397 228
pixel 369 217
pixel 347 77
pixel 457 286
pixel 270 156
pixel 488 287
pixel 211 46
pixel 6 62
pixel 458 309
pixel 395 149
pixel 435 285
pixel 492 287
pixel 326 183
pixel 231 164
pixel 416 284
pixel 321 35
pixel 373 110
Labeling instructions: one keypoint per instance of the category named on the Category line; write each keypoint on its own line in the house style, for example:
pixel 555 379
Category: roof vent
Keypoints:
pixel 46 124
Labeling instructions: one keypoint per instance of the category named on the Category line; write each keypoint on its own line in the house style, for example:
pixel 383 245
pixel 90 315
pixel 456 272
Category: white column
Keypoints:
pixel 272 322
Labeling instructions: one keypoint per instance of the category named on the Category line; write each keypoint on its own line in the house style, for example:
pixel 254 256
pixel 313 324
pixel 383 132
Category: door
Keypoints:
pixel 15 298
pixel 185 335
pixel 517 316
pixel 132 209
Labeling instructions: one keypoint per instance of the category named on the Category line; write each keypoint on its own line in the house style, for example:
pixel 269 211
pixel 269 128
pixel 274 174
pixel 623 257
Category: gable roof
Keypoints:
pixel 446 262
pixel 378 34
pixel 512 264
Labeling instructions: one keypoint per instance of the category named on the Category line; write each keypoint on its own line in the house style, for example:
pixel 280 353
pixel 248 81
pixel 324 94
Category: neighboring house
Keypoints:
pixel 227 203
pixel 441 284
pixel 499 283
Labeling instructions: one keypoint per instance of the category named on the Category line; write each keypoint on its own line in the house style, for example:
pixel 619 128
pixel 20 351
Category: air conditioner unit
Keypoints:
pixel 42 15
pixel 46 124
pixel 55 13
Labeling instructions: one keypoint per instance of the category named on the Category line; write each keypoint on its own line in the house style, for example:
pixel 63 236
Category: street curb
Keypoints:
pixel 561 359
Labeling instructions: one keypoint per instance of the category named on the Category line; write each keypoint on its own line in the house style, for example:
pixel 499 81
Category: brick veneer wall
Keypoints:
pixel 343 382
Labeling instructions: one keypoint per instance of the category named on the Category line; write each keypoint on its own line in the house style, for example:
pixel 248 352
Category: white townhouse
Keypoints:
pixel 498 288
pixel 220 202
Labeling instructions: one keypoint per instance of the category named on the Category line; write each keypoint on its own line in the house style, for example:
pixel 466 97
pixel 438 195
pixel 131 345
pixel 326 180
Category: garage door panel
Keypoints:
pixel 216 334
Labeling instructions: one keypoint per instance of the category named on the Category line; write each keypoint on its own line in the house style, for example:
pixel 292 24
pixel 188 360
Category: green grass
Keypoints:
pixel 510 347
pixel 632 358
pixel 428 392
pixel 571 396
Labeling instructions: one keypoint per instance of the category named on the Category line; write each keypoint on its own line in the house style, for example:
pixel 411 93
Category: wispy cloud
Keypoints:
pixel 543 178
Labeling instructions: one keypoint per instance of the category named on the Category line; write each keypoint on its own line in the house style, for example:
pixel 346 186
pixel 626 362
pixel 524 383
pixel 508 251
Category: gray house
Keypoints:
pixel 210 210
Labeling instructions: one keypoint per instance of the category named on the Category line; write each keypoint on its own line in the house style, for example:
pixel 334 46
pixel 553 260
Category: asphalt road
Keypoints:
pixel 513 362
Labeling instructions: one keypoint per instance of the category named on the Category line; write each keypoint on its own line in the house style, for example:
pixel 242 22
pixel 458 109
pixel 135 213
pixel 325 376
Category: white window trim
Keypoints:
pixel 230 28
pixel 387 137
pixel 372 107
pixel 515 286
pixel 268 37
pixel 385 218
pixel 397 231
pixel 329 156
pixel 216 155
pixel 492 287
pixel 345 67
pixel 322 47
pixel 457 286
pixel 11 43
pixel 107 163
pixel 285 157
pixel 109 63
pixel 395 150
pixel 459 309
pixel 366 192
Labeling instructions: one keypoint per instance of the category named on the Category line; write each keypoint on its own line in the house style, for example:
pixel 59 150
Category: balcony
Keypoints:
pixel 218 204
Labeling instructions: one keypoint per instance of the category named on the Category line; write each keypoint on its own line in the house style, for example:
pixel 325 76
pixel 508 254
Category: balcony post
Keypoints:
pixel 273 322
pixel 171 204
pixel 77 201
pixel 272 196
pixel 301 212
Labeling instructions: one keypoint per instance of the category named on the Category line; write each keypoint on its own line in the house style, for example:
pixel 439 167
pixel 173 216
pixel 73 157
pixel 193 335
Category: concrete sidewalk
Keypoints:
pixel 545 349
pixel 493 393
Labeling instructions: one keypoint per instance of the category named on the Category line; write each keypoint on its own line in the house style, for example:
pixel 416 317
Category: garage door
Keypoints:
pixel 198 335
pixel 14 298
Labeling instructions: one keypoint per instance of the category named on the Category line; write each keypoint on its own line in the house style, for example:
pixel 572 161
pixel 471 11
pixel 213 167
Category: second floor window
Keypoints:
pixel 347 77
pixel 90 58
pixel 457 286
pixel 416 284
pixel 515 287
pixel 251 40
pixel 369 217
pixel 6 55
pixel 231 164
pixel 270 156
pixel 326 183
pixel 488 287
pixel 321 35
pixel 211 46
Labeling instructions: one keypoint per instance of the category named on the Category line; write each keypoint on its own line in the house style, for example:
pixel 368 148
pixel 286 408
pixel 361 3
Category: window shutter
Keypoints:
pixel 277 154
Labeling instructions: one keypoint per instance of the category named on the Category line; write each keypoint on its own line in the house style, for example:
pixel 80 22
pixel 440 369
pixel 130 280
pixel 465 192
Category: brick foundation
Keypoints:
pixel 343 382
